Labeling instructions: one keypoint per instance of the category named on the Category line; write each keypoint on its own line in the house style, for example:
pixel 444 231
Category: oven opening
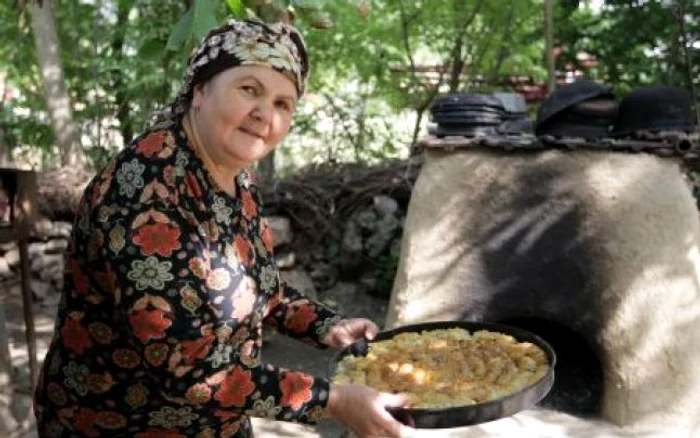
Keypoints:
pixel 578 374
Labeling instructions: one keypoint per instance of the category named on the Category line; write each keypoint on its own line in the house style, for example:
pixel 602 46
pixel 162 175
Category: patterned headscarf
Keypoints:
pixel 278 46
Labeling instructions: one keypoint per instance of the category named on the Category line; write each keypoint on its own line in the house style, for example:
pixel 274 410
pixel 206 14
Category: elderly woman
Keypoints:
pixel 170 276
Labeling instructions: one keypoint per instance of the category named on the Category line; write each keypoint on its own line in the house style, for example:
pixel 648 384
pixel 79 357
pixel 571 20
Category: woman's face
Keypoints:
pixel 242 113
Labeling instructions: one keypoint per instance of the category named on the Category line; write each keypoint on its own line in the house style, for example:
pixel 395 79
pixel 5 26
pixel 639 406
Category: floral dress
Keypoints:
pixel 169 282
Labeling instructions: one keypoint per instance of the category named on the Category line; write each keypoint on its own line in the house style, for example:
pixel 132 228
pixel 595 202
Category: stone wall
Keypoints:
pixel 351 269
pixel 46 250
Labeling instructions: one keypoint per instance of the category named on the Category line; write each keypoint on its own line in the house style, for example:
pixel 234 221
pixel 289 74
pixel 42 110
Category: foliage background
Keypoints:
pixel 123 59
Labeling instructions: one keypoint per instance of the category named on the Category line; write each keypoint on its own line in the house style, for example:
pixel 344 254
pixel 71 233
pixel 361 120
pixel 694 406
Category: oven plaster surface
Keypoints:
pixel 605 243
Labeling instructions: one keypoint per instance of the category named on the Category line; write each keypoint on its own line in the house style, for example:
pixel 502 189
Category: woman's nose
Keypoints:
pixel 262 112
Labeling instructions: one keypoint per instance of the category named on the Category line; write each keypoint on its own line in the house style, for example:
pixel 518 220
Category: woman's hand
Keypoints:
pixel 363 410
pixel 350 330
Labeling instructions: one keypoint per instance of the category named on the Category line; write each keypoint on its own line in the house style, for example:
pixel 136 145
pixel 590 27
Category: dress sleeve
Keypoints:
pixel 184 308
pixel 292 313
pixel 295 315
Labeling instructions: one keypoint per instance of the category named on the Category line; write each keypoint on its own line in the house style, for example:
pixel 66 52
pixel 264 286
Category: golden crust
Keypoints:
pixel 448 367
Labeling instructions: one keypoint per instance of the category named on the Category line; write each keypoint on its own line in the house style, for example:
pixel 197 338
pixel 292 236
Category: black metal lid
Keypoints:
pixel 466 100
pixel 568 96
pixel 590 119
pixel 513 103
pixel 655 108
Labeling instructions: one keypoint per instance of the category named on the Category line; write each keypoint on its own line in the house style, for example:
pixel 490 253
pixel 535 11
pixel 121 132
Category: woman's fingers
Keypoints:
pixel 359 328
pixel 393 400
pixel 371 330
pixel 391 425
pixel 363 410
pixel 350 330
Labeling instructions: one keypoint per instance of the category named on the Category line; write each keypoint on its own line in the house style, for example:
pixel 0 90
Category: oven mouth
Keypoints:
pixel 578 387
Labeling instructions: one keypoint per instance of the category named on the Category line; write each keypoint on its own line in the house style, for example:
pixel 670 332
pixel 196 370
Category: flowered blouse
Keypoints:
pixel 169 282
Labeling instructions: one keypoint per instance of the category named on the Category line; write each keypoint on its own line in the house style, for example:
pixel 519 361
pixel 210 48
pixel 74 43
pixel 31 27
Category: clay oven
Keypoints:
pixel 597 251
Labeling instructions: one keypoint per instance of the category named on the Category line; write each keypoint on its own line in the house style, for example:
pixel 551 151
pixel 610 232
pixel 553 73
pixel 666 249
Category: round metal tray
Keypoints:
pixel 464 415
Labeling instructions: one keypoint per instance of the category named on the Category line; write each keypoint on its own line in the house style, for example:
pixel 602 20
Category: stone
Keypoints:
pixel 61 230
pixel 350 257
pixel 5 357
pixel 324 275
pixel 352 239
pixel 281 229
pixel 4 247
pixel 56 246
pixel 52 273
pixel 366 219
pixel 385 230
pixel 46 262
pixel 384 205
pixel 35 249
pixel 40 289
pixel 42 228
pixel 301 281
pixel 12 257
pixel 285 260
pixel 368 282
pixel 5 270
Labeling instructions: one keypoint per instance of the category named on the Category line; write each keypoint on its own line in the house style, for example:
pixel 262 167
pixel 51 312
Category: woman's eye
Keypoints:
pixel 285 106
pixel 249 89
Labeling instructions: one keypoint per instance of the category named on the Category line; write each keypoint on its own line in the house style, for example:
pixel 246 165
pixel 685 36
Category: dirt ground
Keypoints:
pixel 16 418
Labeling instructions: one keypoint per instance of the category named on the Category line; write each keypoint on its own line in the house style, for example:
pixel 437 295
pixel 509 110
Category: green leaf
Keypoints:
pixel 181 31
pixel 236 7
pixel 204 18
pixel 151 50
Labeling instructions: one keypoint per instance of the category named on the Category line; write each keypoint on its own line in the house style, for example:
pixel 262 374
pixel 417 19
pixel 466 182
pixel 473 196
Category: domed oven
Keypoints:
pixel 590 240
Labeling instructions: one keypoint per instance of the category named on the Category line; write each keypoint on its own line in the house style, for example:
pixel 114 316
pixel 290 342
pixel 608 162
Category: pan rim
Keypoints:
pixel 540 388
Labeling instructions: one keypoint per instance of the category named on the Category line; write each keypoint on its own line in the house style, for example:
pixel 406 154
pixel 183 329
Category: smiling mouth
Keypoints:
pixel 252 134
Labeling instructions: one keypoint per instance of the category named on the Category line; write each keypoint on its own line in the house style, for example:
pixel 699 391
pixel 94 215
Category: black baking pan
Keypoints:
pixel 458 416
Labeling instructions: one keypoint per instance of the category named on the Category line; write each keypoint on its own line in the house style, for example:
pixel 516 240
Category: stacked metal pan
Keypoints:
pixel 477 114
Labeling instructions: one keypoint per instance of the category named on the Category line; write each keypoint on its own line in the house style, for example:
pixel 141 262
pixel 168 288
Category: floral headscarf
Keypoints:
pixel 278 46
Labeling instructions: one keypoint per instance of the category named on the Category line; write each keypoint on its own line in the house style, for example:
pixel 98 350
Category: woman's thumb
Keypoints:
pixel 393 400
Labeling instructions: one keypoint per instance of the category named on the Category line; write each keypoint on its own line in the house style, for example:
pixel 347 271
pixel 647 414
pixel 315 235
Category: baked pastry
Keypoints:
pixel 446 367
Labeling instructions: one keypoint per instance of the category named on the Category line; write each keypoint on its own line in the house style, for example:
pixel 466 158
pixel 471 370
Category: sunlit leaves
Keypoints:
pixel 236 7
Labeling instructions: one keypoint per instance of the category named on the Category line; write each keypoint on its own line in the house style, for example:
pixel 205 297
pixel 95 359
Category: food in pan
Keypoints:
pixel 446 367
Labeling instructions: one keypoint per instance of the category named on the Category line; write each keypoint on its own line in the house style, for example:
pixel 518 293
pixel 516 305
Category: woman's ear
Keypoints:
pixel 197 93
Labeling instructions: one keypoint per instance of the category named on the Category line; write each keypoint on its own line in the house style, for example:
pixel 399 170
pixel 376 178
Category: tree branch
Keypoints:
pixel 457 55
pixel 680 6
pixel 503 51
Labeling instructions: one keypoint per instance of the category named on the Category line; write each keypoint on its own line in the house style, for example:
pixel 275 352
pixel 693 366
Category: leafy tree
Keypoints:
pixel 55 94
pixel 635 42
pixel 475 42
pixel 123 59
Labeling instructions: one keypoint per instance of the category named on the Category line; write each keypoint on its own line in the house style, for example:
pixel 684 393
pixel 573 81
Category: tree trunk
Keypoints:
pixel 5 156
pixel 57 98
pixel 457 65
pixel 120 94
pixel 549 40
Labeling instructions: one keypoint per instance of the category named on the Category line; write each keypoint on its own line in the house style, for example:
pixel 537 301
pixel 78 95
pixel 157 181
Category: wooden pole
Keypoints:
pixel 549 39
pixel 25 215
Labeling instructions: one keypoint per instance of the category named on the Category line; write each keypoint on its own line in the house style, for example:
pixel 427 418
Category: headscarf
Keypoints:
pixel 278 46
